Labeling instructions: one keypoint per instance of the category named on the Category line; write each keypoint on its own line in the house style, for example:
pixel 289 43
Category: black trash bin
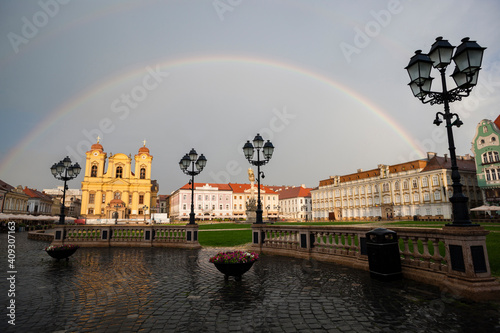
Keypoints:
pixel 383 254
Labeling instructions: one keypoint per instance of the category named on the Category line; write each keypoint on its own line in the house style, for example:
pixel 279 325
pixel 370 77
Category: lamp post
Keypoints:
pixel 193 160
pixel 468 57
pixel 65 171
pixel 267 151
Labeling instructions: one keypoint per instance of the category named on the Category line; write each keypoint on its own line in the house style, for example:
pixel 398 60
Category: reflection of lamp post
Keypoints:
pixel 467 58
pixel 65 171
pixel 200 162
pixel 267 150
pixel 144 209
pixel 278 208
pixel 267 211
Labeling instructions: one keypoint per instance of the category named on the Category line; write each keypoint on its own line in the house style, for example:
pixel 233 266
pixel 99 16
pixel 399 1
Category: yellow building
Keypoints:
pixel 117 191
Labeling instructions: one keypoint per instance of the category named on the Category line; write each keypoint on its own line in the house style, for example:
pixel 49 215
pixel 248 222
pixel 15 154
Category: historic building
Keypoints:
pixel 295 203
pixel 14 200
pixel 210 201
pixel 242 193
pixel 220 201
pixel 72 203
pixel 39 203
pixel 419 188
pixel 486 149
pixel 124 189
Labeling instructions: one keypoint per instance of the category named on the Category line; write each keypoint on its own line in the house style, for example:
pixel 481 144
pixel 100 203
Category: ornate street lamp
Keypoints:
pixel 193 160
pixel 267 151
pixel 468 57
pixel 65 171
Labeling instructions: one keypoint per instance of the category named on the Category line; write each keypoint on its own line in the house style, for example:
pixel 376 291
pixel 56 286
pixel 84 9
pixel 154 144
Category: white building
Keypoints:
pixel 211 201
pixel 295 203
pixel 419 188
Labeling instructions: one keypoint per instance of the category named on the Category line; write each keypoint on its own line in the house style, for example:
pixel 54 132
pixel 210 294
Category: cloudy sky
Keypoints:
pixel 323 80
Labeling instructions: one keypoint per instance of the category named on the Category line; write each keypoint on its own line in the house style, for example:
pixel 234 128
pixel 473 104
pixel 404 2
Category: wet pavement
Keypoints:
pixel 176 290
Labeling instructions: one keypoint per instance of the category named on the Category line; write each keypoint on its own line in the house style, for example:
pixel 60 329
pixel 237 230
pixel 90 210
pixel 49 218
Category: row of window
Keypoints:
pixel 490 157
pixel 117 195
pixel 387 200
pixel 492 174
pixel 119 172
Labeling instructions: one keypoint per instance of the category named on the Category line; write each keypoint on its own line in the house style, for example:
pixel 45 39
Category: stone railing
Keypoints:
pixel 127 235
pixel 453 258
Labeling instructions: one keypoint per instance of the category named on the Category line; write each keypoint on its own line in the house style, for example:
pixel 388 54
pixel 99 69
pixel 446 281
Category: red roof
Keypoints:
pixel 241 188
pixel 497 121
pixel 36 194
pixel 220 187
pixel 295 192
pixel 439 162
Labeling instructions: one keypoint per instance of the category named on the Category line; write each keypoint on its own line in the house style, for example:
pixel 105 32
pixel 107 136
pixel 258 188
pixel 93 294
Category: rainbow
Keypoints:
pixel 123 78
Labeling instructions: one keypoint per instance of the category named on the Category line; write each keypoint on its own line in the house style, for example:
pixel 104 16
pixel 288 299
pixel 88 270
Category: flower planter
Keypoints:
pixel 236 270
pixel 234 263
pixel 61 252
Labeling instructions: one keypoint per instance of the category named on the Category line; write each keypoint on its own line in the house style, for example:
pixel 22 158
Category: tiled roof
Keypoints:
pixel 295 192
pixel 220 187
pixel 36 194
pixel 241 188
pixel 497 121
pixel 439 162
pixel 5 186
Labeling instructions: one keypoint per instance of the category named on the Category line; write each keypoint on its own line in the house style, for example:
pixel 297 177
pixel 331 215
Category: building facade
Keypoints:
pixel 242 193
pixel 72 203
pixel 211 201
pixel 220 201
pixel 486 149
pixel 295 203
pixel 14 201
pixel 39 203
pixel 416 189
pixel 123 190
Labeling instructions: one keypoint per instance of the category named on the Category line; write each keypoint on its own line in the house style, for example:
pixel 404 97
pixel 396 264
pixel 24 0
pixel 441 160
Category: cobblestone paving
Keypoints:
pixel 174 290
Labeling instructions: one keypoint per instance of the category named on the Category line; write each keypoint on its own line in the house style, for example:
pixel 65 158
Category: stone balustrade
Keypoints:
pixel 453 258
pixel 127 235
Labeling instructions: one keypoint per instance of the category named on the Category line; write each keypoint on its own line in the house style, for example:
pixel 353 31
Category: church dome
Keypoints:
pixel 144 150
pixel 97 146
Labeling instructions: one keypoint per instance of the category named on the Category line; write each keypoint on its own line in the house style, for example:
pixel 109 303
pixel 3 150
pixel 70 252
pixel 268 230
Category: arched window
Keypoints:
pixel 119 172
pixel 396 185
pixel 93 171
pixel 143 173
pixel 405 185
pixel 385 187
pixel 425 183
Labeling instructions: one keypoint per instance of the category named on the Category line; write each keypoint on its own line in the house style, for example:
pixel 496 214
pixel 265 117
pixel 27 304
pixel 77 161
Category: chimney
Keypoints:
pixel 303 185
pixel 430 155
pixel 446 157
pixel 360 170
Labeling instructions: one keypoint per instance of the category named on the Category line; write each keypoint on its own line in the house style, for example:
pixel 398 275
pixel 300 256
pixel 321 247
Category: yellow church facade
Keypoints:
pixel 118 191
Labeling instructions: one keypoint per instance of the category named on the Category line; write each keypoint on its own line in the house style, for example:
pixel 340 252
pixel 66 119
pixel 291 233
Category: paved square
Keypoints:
pixel 175 290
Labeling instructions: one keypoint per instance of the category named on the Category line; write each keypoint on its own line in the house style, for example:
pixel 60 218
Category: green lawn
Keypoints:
pixel 224 238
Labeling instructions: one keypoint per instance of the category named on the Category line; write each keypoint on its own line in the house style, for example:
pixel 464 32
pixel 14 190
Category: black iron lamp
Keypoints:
pixel 467 58
pixel 195 161
pixel 64 171
pixel 267 150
